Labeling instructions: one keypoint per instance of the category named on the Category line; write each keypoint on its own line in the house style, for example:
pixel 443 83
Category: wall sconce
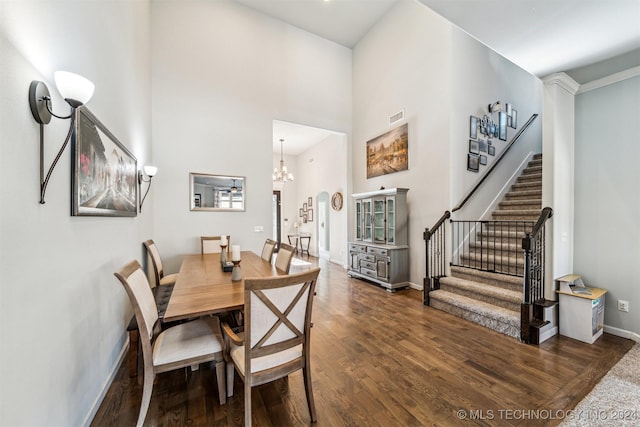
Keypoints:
pixel 76 90
pixel 150 172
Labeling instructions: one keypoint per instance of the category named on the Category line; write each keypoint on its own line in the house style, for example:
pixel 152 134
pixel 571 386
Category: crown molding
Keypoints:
pixel 609 80
pixel 564 81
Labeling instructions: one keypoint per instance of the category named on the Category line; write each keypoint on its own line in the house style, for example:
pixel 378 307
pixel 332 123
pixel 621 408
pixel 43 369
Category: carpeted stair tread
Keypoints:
pixel 528 185
pixel 501 297
pixel 517 214
pixel 537 177
pixel 524 194
pixel 491 316
pixel 492 246
pixel 521 203
pixel 493 279
pixel 533 169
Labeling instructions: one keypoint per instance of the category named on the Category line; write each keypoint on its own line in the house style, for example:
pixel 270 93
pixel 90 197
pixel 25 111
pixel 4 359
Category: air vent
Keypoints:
pixel 396 117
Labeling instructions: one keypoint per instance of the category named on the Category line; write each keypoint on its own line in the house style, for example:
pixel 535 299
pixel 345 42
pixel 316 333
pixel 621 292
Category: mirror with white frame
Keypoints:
pixel 216 192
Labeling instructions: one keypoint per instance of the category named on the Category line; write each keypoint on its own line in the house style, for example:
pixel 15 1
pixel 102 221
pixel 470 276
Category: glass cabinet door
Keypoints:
pixel 358 220
pixel 391 220
pixel 367 232
pixel 378 221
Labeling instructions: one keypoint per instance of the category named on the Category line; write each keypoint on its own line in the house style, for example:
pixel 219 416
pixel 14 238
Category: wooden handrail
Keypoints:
pixel 495 163
pixel 428 232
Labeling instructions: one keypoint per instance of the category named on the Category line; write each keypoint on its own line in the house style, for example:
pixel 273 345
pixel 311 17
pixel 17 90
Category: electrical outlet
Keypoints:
pixel 623 305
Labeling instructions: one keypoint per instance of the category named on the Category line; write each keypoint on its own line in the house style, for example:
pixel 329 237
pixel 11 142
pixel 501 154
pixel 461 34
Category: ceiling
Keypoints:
pixel 587 39
pixel 342 21
pixel 297 138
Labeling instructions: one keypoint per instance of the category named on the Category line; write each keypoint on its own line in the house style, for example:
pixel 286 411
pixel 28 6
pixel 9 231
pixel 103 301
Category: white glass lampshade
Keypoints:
pixel 150 171
pixel 75 89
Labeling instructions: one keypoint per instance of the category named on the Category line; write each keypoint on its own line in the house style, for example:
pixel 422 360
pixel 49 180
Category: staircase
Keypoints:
pixel 474 290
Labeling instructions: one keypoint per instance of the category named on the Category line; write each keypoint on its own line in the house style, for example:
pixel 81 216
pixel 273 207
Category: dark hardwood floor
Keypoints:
pixel 384 359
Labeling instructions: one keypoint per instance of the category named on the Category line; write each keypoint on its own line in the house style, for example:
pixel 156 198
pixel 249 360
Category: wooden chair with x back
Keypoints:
pixel 276 339
pixel 184 345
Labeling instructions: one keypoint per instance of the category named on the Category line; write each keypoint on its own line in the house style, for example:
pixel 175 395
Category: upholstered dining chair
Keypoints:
pixel 158 270
pixel 283 260
pixel 267 250
pixel 211 244
pixel 186 344
pixel 276 338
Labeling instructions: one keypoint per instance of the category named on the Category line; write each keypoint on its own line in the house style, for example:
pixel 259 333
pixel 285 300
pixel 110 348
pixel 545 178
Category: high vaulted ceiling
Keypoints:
pixel 587 39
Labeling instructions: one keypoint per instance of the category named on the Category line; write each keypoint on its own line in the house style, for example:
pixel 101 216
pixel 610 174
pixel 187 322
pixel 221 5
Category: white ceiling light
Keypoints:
pixel 282 175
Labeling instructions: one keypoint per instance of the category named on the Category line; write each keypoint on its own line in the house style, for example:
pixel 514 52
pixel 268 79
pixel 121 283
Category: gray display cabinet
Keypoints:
pixel 380 252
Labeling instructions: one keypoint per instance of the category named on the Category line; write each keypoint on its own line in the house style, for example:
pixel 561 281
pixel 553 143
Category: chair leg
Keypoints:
pixel 306 373
pixel 247 403
pixel 220 378
pixel 147 389
pixel 133 353
pixel 230 374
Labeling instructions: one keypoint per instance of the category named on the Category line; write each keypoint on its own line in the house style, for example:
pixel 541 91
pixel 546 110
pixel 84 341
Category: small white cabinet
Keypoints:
pixel 379 252
pixel 581 310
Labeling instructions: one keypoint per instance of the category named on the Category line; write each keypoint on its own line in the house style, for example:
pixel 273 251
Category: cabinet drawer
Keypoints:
pixel 377 251
pixel 367 264
pixel 368 272
pixel 357 248
pixel 367 257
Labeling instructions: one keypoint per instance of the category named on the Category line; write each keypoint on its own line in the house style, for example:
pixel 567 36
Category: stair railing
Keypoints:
pixel 533 246
pixel 495 163
pixel 489 245
pixel 435 256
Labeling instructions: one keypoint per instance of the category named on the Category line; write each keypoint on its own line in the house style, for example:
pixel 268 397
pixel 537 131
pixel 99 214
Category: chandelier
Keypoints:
pixel 282 175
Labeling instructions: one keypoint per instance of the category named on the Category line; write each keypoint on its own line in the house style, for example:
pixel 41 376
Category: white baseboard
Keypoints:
pixel 622 333
pixel 416 287
pixel 105 386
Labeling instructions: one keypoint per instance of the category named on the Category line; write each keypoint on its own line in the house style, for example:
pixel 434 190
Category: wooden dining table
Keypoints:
pixel 203 288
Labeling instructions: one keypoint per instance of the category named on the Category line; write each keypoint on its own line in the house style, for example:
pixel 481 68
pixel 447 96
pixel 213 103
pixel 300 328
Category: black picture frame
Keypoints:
pixel 491 150
pixel 301 213
pixel 502 125
pixel 514 119
pixel 482 145
pixel 104 173
pixel 473 162
pixel 483 160
pixel 310 215
pixel 473 127
pixel 474 147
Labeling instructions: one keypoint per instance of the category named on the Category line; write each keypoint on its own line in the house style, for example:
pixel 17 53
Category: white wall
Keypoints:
pixel 607 197
pixel 62 312
pixel 221 74
pixel 324 168
pixel 406 69
pixel 480 76
pixel 440 76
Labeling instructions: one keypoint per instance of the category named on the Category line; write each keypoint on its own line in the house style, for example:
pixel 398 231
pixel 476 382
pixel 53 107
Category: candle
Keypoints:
pixel 223 240
pixel 235 253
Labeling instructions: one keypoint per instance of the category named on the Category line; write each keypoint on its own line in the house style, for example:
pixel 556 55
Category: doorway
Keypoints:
pixel 276 213
pixel 324 226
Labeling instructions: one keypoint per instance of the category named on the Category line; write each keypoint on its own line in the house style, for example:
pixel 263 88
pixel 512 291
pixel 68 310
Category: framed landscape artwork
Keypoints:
pixel 389 152
pixel 104 172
